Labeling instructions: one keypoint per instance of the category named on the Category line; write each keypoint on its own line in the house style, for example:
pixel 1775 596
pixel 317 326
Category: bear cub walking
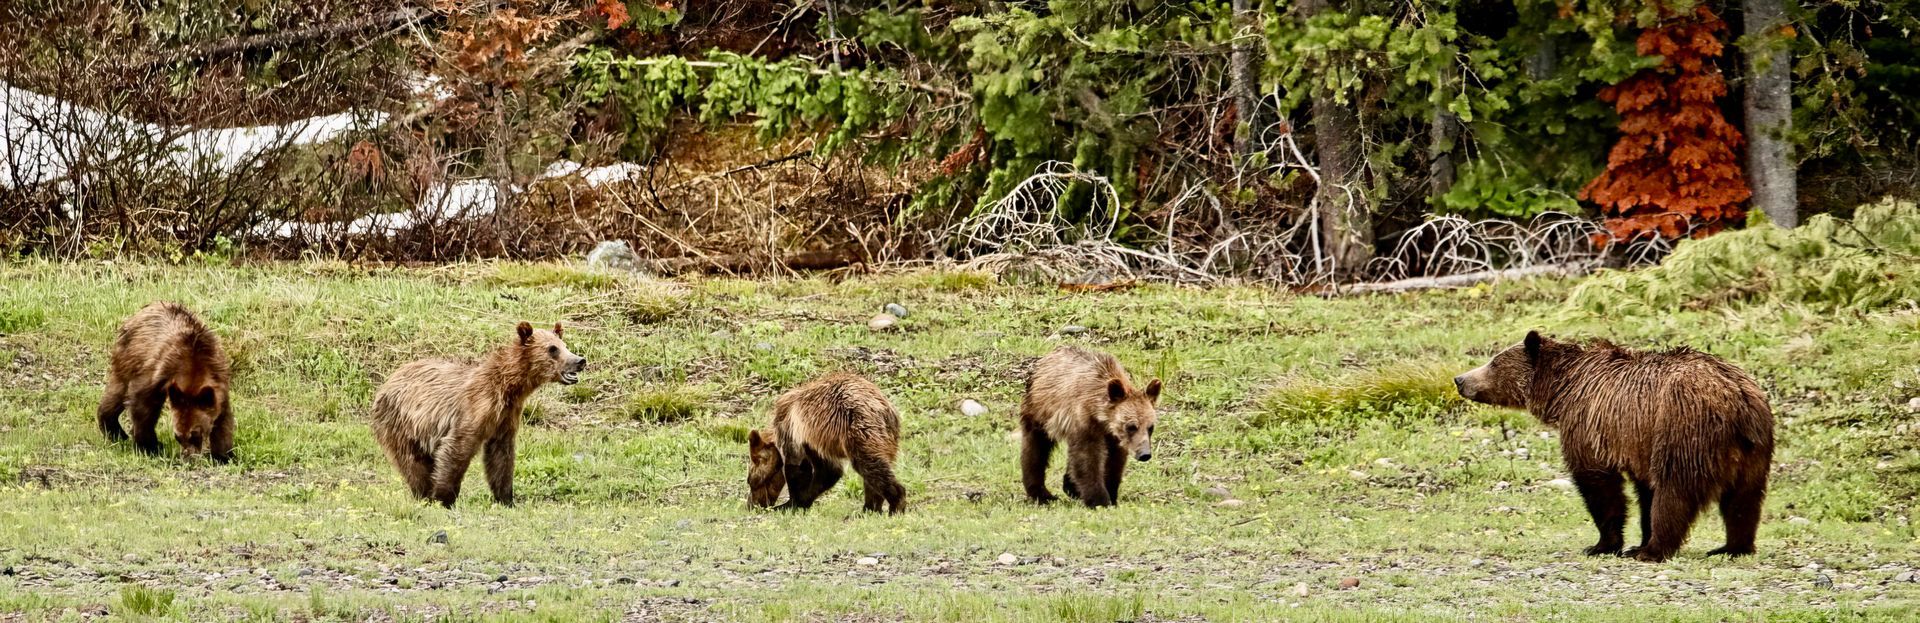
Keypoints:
pixel 1686 427
pixel 819 426
pixel 434 414
pixel 1085 399
pixel 164 354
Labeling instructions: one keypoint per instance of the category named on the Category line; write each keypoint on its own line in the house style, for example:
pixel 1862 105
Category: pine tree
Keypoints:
pixel 1675 171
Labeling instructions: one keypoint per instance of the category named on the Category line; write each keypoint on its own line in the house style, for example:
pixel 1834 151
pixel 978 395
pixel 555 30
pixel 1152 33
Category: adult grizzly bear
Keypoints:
pixel 1085 399
pixel 817 426
pixel 1688 428
pixel 164 354
pixel 433 415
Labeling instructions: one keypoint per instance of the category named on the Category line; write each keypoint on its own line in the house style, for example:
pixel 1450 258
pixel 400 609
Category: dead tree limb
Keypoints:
pixel 279 39
pixel 1571 269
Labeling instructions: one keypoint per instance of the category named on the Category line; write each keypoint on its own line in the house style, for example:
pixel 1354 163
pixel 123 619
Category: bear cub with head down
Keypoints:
pixel 835 419
pixel 1686 427
pixel 433 415
pixel 164 354
pixel 1085 399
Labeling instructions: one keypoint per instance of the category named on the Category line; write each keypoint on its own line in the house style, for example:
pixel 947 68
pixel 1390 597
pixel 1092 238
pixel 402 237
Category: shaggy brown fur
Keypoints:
pixel 816 428
pixel 1085 399
pixel 164 354
pixel 1686 427
pixel 433 415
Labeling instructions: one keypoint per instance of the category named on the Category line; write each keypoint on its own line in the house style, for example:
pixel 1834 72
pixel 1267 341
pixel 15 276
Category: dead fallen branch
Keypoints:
pixel 750 263
pixel 1570 269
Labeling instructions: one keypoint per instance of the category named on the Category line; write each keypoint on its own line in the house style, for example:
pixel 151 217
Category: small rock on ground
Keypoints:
pixel 898 310
pixel 1072 329
pixel 867 561
pixel 1230 503
pixel 1301 589
pixel 972 408
pixel 1219 492
pixel 882 322
pixel 438 538
pixel 1349 582
pixel 1008 559
pixel 1560 483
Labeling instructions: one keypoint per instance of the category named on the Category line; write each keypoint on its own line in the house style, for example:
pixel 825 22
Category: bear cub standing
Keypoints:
pixel 1085 399
pixel 818 426
pixel 1686 427
pixel 164 354
pixel 434 414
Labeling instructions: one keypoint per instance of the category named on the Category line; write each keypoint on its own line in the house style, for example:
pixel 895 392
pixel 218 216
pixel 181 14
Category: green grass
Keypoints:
pixel 1331 421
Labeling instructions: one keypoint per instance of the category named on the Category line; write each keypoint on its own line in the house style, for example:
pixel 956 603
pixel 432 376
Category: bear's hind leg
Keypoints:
pixel 1673 514
pixel 111 404
pixel 1608 506
pixel 1740 510
pixel 417 468
pixel 1643 493
pixel 876 476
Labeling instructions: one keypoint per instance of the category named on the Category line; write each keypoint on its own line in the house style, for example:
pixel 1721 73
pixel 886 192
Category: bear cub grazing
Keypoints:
pixel 434 414
pixel 1085 399
pixel 818 426
pixel 164 354
pixel 1686 427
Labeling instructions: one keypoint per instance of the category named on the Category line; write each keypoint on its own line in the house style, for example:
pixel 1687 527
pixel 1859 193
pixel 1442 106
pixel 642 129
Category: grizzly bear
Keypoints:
pixel 817 427
pixel 165 354
pixel 1686 427
pixel 434 414
pixel 1085 399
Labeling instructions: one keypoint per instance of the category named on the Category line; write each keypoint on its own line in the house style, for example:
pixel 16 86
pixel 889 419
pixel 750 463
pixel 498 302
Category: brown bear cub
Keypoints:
pixel 817 427
pixel 1085 399
pixel 433 415
pixel 1686 427
pixel 164 354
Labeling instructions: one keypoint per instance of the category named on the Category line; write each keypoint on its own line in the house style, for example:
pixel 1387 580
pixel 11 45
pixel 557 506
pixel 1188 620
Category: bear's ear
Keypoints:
pixel 557 331
pixel 1116 391
pixel 1533 345
pixel 753 438
pixel 525 330
pixel 1153 390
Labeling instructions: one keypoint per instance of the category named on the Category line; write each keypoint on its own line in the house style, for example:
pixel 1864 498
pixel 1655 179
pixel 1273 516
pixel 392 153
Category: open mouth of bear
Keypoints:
pixel 569 378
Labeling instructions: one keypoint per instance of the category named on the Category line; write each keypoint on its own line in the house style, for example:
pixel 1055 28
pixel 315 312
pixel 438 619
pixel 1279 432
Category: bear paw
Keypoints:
pixel 1731 551
pixel 1643 554
pixel 1603 549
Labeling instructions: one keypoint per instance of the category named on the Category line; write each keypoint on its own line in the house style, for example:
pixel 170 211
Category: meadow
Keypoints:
pixel 1312 462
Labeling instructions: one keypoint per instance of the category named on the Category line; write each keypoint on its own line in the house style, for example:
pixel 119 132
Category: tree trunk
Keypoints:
pixel 1769 107
pixel 1345 212
pixel 1441 139
pixel 1245 81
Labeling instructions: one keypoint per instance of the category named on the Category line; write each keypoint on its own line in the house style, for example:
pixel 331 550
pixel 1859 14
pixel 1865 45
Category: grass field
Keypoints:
pixel 1305 443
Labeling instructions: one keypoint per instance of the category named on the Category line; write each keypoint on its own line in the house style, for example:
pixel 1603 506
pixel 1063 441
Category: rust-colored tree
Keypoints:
pixel 1676 170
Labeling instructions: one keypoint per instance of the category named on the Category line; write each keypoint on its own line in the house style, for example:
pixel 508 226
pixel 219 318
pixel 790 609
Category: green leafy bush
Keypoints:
pixel 1826 264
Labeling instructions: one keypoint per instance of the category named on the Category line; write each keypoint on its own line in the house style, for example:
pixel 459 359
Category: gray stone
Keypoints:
pixel 898 310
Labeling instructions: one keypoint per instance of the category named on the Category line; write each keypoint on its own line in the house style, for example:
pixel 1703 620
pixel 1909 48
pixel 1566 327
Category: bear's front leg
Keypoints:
pixel 1601 490
pixel 500 467
pixel 450 466
pixel 1086 462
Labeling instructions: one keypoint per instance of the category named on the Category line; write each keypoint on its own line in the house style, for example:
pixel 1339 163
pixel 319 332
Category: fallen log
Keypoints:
pixel 1462 280
pixel 739 263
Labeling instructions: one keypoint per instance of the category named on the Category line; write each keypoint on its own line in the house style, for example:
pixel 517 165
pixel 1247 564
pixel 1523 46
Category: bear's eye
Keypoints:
pixel 553 351
pixel 1150 429
pixel 1133 428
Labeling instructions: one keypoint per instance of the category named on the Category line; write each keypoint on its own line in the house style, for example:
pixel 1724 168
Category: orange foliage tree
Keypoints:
pixel 1676 170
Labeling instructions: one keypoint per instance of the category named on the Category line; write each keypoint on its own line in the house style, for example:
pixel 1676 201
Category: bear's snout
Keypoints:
pixel 1460 385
